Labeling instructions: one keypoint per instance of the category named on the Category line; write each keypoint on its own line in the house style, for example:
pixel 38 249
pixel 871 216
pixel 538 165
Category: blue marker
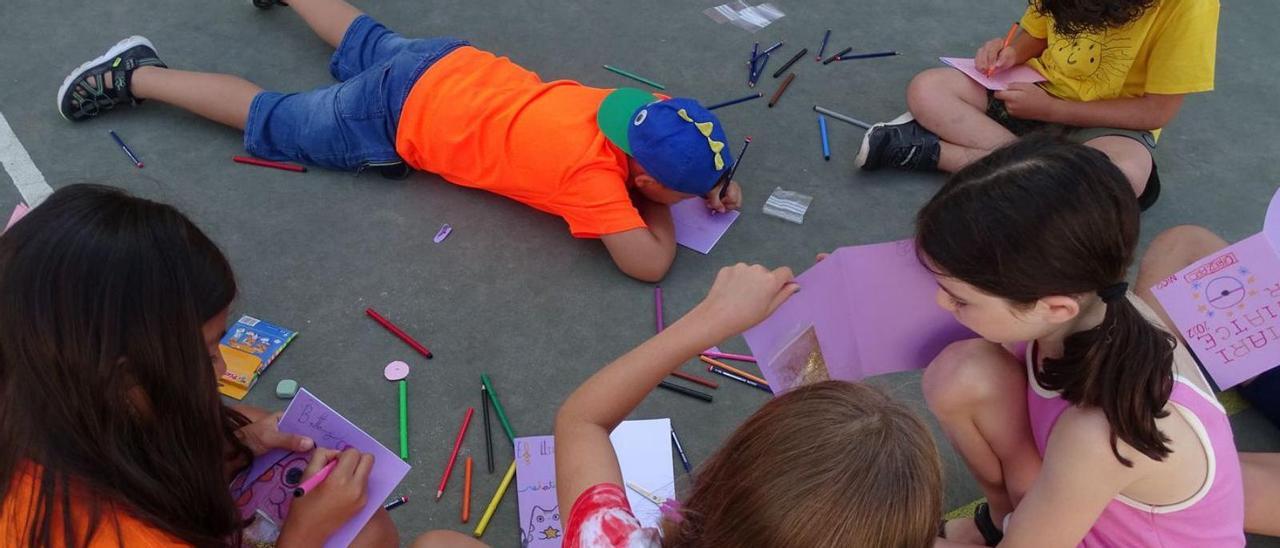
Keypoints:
pixel 823 50
pixel 688 469
pixel 826 146
pixel 133 157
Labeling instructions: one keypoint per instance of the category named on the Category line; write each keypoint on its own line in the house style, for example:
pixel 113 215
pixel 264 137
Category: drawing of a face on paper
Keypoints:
pixel 800 362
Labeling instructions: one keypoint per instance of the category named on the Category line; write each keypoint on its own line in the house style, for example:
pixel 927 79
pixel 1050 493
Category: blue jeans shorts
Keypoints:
pixel 350 125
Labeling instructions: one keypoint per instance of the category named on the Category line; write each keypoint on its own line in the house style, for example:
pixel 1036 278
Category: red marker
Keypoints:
pixel 398 332
pixel 268 163
pixel 457 444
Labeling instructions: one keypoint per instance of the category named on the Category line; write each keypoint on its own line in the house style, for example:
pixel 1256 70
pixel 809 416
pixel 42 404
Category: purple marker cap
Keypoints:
pixel 443 233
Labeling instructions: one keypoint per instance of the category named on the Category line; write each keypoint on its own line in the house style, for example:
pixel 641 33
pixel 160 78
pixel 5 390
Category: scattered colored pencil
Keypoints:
pixel 867 55
pixel 686 391
pixel 315 480
pixel 404 418
pixel 493 503
pixel 466 490
pixel 132 157
pixel 634 76
pixel 488 431
pixel 268 163
pixel 826 145
pixel 732 102
pixel 398 332
pixel 768 50
pixel 497 408
pixel 694 379
pixel 657 307
pixel 1008 39
pixel 823 50
pixel 395 503
pixel 828 60
pixel 732 369
pixel 842 118
pixel 782 88
pixel 740 379
pixel 755 75
pixel 457 444
pixel 727 356
pixel 684 459
pixel 734 170
pixel 790 62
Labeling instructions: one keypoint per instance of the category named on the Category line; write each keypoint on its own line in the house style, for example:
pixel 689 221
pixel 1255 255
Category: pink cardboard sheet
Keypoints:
pixel 872 311
pixel 998 81
pixel 1227 305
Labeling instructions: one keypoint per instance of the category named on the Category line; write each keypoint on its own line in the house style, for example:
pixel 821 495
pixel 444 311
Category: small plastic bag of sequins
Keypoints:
pixel 787 205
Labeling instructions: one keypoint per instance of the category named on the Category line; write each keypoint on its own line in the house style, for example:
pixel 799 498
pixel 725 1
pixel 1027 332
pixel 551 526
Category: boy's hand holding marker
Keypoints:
pixel 316 514
pixel 732 199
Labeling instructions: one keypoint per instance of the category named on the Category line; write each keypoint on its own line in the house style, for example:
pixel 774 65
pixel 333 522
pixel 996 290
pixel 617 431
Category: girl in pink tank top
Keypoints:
pixel 1106 435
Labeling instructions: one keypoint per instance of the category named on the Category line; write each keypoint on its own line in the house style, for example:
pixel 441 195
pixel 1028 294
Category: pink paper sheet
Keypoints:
pixel 1227 305
pixel 998 81
pixel 308 416
pixel 873 308
pixel 697 228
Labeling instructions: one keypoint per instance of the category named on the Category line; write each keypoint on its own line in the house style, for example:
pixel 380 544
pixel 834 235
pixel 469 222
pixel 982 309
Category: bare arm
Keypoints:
pixel 742 296
pixel 645 253
pixel 1144 113
pixel 1080 477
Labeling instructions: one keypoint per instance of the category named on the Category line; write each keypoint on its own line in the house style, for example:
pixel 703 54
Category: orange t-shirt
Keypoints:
pixel 482 121
pixel 115 529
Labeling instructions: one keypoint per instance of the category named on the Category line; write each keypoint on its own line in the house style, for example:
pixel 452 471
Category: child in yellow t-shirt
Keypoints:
pixel 1113 78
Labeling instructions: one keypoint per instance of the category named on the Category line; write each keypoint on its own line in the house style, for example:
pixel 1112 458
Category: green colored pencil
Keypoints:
pixel 404 419
pixel 497 408
pixel 634 76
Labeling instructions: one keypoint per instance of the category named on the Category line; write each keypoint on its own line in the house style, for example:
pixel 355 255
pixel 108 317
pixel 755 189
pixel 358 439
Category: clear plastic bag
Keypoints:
pixel 744 16
pixel 787 205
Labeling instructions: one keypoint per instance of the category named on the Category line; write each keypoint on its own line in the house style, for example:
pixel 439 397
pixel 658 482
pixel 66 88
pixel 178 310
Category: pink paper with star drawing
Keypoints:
pixel 1227 305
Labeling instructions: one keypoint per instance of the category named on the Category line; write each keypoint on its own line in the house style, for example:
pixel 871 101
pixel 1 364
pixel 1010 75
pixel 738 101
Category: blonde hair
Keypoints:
pixel 828 464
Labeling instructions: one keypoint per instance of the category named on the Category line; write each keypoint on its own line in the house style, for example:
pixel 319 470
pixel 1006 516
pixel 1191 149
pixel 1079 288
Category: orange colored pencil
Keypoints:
pixel 733 370
pixel 1008 39
pixel 466 491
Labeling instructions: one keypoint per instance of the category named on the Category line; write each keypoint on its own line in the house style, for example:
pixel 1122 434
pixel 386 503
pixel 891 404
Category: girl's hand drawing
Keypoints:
pixel 316 515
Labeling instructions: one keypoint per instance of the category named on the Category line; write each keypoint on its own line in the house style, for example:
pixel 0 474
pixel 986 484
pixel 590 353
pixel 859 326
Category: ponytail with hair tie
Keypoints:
pixel 1113 292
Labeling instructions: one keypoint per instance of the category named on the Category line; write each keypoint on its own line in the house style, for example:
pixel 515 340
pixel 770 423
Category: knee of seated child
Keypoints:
pixel 442 538
pixel 1188 241
pixel 380 531
pixel 968 372
pixel 931 84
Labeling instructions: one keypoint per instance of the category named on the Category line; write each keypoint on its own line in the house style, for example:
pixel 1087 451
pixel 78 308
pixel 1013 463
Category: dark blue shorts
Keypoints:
pixel 352 124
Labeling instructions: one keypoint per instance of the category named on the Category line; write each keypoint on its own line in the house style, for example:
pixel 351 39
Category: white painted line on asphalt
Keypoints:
pixel 21 169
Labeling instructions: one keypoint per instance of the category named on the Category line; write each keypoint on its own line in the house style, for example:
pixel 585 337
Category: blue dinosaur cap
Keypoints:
pixel 678 141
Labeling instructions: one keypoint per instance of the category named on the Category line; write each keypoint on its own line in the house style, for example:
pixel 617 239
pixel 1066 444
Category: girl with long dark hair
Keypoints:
pixel 1106 433
pixel 112 432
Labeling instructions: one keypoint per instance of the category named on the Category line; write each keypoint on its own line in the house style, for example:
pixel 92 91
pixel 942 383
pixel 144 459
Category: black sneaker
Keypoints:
pixel 900 143
pixel 267 4
pixel 84 93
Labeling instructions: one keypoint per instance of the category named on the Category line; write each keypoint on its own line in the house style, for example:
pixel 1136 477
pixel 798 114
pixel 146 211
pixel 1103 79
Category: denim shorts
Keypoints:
pixel 352 124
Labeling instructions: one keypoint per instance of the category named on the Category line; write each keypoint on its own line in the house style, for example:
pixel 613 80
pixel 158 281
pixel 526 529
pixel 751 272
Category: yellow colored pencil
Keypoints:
pixel 733 370
pixel 493 504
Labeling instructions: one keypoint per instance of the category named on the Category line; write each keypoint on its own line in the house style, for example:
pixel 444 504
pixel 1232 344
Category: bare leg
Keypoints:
pixel 978 392
pixel 1261 473
pixel 1133 159
pixel 441 538
pixel 329 19
pixel 948 103
pixel 1171 251
pixel 379 531
pixel 222 98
